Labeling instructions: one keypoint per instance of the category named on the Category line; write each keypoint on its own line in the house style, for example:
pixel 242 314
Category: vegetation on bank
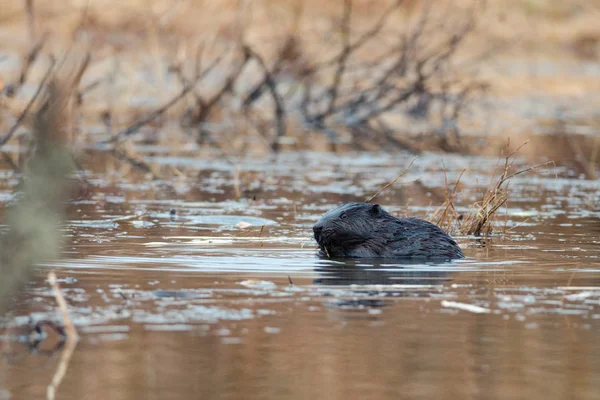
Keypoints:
pixel 356 82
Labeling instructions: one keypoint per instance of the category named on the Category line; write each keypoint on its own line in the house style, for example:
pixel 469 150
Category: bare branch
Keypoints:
pixel 341 62
pixel 136 126
pixel 279 110
pixel 364 38
pixel 27 108
pixel 133 128
pixel 30 59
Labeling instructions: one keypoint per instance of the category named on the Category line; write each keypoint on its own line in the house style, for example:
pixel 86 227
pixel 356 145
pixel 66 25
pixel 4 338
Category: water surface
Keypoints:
pixel 228 300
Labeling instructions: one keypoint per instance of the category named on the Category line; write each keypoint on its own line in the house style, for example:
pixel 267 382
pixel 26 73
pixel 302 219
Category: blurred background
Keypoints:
pixel 261 75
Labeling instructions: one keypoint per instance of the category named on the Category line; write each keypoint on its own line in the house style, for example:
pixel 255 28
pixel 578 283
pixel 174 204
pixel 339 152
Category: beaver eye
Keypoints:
pixel 343 216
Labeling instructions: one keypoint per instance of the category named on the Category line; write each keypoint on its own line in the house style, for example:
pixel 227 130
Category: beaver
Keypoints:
pixel 367 231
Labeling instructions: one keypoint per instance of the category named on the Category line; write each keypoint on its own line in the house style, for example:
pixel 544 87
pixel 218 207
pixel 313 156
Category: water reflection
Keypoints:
pixel 382 272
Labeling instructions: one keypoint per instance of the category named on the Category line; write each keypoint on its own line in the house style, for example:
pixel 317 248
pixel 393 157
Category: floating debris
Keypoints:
pixel 465 307
pixel 254 284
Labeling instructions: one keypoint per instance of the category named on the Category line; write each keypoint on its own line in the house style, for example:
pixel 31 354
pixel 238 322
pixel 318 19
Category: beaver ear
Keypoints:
pixel 375 210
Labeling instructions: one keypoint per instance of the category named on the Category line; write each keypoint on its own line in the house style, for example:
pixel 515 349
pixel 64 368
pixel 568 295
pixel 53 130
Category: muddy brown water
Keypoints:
pixel 228 300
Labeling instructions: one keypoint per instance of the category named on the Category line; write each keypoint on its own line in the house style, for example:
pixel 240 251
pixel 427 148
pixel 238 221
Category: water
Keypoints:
pixel 227 299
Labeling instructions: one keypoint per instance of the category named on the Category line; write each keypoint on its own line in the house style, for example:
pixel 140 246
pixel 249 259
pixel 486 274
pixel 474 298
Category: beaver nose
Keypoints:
pixel 317 231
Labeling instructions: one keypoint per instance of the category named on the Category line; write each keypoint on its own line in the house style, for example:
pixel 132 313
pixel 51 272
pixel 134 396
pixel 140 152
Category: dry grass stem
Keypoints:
pixel 70 343
pixel 446 215
pixel 369 199
pixel 479 221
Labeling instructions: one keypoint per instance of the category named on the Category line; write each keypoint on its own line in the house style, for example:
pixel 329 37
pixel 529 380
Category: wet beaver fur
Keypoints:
pixel 367 231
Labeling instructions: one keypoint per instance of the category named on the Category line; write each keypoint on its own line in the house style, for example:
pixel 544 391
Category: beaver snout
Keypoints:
pixel 318 231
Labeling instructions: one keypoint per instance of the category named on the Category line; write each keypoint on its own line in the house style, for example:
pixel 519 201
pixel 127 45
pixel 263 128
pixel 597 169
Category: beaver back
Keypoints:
pixel 366 230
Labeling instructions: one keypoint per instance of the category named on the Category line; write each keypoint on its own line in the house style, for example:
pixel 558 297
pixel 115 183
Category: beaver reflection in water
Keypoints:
pixel 366 230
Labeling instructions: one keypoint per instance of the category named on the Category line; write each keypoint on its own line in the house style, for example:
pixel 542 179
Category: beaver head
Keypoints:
pixel 343 230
